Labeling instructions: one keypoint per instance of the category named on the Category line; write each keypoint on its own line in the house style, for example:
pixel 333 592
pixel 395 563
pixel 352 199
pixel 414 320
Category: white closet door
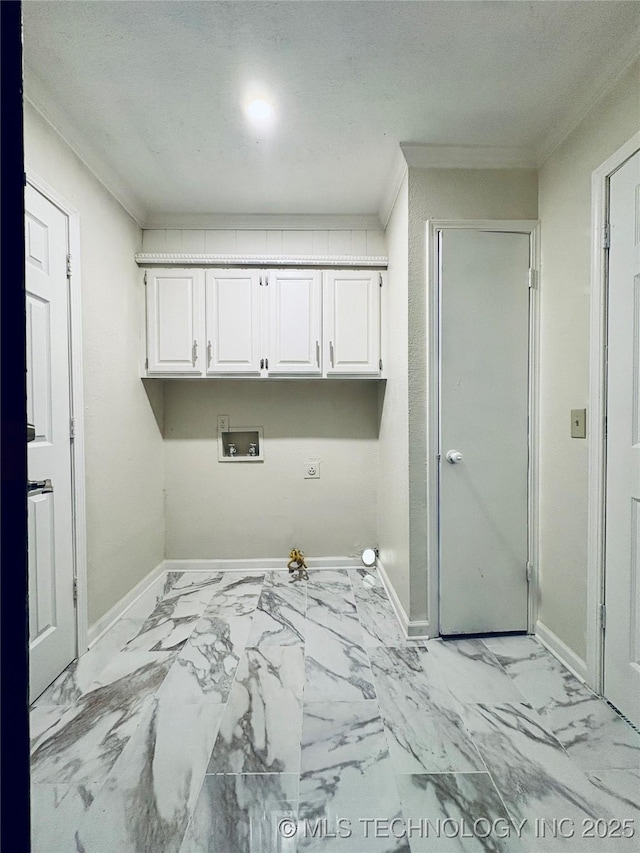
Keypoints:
pixel 622 572
pixel 52 619
pixel 484 394
pixel 175 321
pixel 295 322
pixel 233 322
pixel 352 322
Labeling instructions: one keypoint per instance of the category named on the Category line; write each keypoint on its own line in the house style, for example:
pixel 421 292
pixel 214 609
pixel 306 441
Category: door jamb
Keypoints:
pixel 597 411
pixel 433 227
pixel 76 401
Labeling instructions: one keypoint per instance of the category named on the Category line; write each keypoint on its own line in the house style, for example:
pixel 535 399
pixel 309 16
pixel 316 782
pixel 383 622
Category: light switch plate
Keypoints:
pixel 578 423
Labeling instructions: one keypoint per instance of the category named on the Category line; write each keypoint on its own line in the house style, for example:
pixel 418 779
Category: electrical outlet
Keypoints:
pixel 223 423
pixel 312 469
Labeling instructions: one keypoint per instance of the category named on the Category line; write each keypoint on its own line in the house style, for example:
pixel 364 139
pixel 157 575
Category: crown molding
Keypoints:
pixel 38 94
pixel 589 98
pixel 182 258
pixel 264 221
pixel 467 157
pixel 394 182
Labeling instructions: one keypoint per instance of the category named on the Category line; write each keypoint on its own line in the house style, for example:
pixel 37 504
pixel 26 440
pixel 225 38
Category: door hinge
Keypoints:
pixel 24 178
pixel 68 266
pixel 145 278
pixel 75 590
pixel 533 278
pixel 605 426
pixel 380 364
pixel 602 608
pixel 380 278
pixel 146 363
pixel 606 236
pixel 529 571
pixel 72 428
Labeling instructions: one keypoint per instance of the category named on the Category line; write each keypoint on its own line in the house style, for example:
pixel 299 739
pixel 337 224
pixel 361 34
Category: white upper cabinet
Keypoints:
pixel 352 322
pixel 295 322
pixel 233 339
pixel 175 321
pixel 251 322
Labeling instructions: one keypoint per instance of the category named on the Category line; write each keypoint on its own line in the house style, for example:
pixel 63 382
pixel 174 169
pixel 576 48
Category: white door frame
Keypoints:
pixel 77 405
pixel 597 411
pixel 532 228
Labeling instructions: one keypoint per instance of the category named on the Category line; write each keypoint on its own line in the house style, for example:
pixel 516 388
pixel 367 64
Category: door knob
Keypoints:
pixel 454 456
pixel 39 487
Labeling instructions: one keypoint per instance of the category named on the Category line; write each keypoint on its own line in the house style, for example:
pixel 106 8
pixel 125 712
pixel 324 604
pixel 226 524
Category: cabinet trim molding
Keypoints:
pixel 181 258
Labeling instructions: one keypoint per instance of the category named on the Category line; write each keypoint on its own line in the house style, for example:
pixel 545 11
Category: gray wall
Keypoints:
pixel 263 509
pixel 444 194
pixel 393 448
pixel 123 442
pixel 565 213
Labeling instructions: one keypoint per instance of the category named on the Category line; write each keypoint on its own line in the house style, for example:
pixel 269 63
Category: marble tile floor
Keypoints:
pixel 249 714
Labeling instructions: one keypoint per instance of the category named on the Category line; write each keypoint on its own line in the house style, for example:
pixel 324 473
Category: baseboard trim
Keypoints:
pixel 418 630
pixel 147 589
pixel 270 563
pixel 561 650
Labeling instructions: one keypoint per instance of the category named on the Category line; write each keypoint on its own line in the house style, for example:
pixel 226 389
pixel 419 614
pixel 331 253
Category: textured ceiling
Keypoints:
pixel 150 92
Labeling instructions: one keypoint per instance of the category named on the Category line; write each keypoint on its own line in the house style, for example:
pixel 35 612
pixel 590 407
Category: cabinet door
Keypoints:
pixel 233 322
pixel 175 321
pixel 295 322
pixel 352 321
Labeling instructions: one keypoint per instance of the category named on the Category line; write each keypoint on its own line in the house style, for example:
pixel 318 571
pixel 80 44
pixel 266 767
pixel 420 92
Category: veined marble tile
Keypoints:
pixel 42 718
pixel 236 595
pixel 147 799
pixel 624 785
pixel 379 622
pixel 346 780
pixel 181 583
pixel 82 672
pixel 335 670
pixel 260 729
pixel 456 812
pixel 331 613
pixel 168 627
pixel 469 671
pixel 279 619
pixel 516 649
pixel 591 732
pixel 89 737
pixel 205 668
pixel 537 779
pixel 422 721
pixel 56 813
pixel 341 735
pixel 248 813
pixel 328 577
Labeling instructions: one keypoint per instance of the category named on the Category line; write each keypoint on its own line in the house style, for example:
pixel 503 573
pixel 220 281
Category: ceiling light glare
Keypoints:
pixel 259 111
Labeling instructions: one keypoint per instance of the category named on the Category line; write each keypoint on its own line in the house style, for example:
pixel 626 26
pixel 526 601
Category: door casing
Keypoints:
pixel 76 404
pixel 597 412
pixel 433 227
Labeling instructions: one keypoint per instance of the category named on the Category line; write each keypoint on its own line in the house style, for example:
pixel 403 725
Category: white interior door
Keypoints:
pixel 484 406
pixel 622 558
pixel 295 321
pixel 52 621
